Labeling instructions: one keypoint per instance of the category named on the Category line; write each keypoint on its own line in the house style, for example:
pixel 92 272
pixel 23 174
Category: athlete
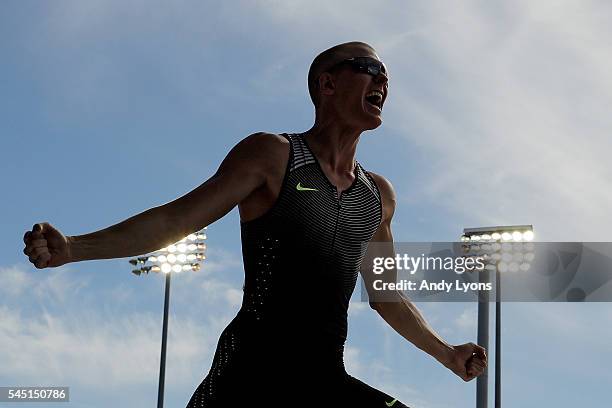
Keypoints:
pixel 306 206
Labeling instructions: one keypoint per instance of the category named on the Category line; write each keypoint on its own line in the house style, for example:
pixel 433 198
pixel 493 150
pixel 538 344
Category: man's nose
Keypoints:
pixel 381 78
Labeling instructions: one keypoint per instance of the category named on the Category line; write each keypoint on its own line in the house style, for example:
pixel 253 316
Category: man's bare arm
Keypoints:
pixel 244 169
pixel 401 314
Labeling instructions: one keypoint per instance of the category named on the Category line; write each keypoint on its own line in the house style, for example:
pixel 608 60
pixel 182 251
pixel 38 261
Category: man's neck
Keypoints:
pixel 334 146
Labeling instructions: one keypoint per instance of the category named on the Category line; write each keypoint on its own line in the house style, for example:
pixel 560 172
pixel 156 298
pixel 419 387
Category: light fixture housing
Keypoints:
pixel 183 255
pixel 511 233
pixel 508 247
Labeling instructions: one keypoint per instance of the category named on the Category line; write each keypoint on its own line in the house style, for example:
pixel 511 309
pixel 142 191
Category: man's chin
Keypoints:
pixel 374 117
pixel 374 123
pixel 366 121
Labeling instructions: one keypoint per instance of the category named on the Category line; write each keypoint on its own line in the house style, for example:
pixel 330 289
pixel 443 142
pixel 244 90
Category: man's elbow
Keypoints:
pixel 382 307
pixel 376 305
pixel 384 302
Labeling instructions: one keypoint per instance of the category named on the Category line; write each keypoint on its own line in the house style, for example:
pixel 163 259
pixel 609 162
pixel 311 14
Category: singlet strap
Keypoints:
pixel 301 154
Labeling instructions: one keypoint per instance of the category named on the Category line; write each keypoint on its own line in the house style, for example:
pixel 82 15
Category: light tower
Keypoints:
pixel 182 256
pixel 502 256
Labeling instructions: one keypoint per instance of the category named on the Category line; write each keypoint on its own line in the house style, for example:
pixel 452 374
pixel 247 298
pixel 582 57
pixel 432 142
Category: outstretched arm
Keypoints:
pixel 467 360
pixel 244 169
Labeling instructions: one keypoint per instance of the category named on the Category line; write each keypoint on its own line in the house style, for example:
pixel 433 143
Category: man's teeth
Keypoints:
pixel 375 98
pixel 374 93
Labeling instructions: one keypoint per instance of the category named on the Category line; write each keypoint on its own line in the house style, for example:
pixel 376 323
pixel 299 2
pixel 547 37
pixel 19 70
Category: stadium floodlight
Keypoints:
pixel 514 233
pixel 184 255
pixel 505 249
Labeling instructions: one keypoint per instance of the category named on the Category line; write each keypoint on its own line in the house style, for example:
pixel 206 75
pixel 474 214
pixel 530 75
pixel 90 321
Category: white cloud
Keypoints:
pixel 220 260
pixel 122 293
pixel 374 372
pixel 361 366
pixel 15 279
pixel 467 320
pixel 507 104
pixel 56 327
pixel 88 342
pixel 358 307
pixel 588 324
pixel 510 103
pixel 214 290
pixel 94 350
pixel 56 334
pixel 513 116
pixel 233 297
pixel 55 285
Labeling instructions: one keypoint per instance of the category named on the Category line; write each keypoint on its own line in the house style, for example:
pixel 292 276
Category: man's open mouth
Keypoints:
pixel 375 98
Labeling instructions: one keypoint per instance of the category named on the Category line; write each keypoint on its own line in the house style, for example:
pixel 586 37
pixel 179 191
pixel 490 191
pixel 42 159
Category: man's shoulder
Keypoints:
pixel 384 185
pixel 266 140
pixel 264 146
pixel 267 151
pixel 387 194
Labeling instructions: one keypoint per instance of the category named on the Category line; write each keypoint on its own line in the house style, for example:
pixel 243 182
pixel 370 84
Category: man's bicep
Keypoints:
pixel 378 267
pixel 241 172
pixel 383 232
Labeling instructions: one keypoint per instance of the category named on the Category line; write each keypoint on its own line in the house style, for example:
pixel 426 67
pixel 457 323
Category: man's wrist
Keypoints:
pixel 71 244
pixel 443 352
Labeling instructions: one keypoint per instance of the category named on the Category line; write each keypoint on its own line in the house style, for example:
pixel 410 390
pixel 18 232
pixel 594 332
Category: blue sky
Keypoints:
pixel 498 113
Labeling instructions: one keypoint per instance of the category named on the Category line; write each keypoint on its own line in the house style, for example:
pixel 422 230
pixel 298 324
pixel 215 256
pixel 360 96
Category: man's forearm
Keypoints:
pixel 140 234
pixel 408 321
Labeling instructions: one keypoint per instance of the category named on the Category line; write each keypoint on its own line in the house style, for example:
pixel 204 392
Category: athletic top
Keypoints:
pixel 301 261
pixel 306 250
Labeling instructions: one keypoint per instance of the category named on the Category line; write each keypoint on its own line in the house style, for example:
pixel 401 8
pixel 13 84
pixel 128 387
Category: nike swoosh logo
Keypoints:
pixel 300 188
pixel 390 404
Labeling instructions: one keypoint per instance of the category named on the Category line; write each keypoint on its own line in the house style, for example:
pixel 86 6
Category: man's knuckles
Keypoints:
pixel 36 252
pixel 38 243
pixel 36 235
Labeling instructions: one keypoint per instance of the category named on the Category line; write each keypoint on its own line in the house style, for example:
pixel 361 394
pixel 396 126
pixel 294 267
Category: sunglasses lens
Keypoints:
pixel 367 65
pixel 374 67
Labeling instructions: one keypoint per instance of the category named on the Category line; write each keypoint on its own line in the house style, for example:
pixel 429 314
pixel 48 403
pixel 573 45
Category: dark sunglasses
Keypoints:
pixel 366 65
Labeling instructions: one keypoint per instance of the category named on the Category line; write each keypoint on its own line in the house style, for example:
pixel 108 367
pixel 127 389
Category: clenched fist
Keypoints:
pixel 46 246
pixel 468 361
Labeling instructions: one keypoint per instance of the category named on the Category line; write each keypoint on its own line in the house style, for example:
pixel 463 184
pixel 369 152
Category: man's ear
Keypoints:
pixel 327 84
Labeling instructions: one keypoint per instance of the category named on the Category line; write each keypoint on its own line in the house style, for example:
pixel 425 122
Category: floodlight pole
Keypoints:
pixel 482 382
pixel 483 305
pixel 190 255
pixel 162 364
pixel 498 340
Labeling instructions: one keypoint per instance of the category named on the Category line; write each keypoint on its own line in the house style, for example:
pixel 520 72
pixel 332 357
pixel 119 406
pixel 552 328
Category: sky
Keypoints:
pixel 498 114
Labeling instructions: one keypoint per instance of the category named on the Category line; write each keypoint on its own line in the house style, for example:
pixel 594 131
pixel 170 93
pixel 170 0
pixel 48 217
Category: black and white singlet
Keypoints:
pixel 301 260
